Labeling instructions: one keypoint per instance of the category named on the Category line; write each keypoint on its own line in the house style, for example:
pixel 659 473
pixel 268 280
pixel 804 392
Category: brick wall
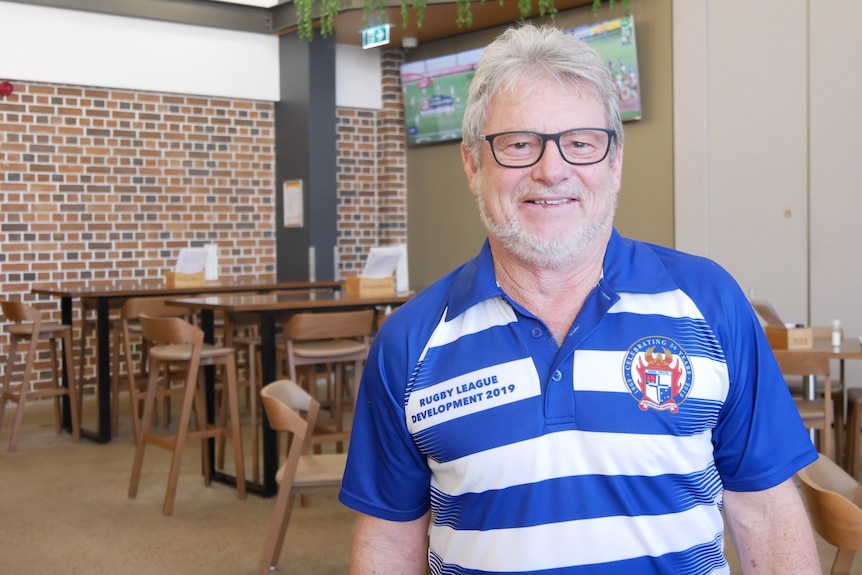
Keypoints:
pixel 99 184
pixel 372 172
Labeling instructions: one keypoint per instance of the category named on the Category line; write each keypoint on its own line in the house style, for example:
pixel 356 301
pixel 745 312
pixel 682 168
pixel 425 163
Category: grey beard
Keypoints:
pixel 548 254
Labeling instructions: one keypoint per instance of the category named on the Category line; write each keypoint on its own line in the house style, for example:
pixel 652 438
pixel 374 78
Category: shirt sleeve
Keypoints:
pixel 386 475
pixel 759 439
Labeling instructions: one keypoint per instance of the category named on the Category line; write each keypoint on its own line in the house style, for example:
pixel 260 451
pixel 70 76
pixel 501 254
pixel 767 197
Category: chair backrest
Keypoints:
pixel 20 312
pixel 383 312
pixel 172 339
pixel 170 330
pixel 284 401
pixel 799 364
pixel 810 367
pixel 803 362
pixel 329 325
pixel 833 498
pixel 151 306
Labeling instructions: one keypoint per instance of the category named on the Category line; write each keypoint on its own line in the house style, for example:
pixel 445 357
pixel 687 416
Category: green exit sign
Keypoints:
pixel 375 36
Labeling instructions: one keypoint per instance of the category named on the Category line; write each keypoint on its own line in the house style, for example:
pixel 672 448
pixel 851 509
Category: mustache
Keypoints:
pixel 534 191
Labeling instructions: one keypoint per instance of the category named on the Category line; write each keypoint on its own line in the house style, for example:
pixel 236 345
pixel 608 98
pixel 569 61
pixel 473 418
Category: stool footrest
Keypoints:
pixel 170 441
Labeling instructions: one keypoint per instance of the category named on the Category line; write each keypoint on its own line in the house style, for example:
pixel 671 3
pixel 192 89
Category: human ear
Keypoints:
pixel 471 168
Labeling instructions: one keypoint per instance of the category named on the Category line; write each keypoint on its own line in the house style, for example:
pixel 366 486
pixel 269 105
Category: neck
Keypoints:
pixel 556 295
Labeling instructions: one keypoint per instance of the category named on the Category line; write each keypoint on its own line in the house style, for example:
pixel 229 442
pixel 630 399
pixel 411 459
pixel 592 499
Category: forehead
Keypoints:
pixel 544 105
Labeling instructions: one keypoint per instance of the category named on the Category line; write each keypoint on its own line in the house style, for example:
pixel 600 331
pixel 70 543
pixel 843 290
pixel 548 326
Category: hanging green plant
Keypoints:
pixel 303 18
pixel 379 6
pixel 464 16
pixel 464 13
pixel 329 9
pixel 598 4
pixel 547 7
pixel 418 8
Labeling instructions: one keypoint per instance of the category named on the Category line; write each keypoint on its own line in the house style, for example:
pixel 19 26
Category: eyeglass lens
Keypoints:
pixel 581 146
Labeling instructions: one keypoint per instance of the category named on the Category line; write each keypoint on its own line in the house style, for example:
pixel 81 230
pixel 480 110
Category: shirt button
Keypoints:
pixel 536 332
pixel 558 375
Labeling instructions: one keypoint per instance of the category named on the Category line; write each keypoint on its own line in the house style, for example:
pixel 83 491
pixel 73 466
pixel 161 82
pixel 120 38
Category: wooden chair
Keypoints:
pixel 333 340
pixel 125 334
pixel 853 430
pixel 176 343
pixel 818 413
pixel 833 499
pixel 240 333
pixel 301 473
pixel 27 327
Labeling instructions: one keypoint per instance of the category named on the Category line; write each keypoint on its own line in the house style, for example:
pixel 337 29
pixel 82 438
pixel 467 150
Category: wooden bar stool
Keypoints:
pixel 27 327
pixel 293 410
pixel 333 340
pixel 833 499
pixel 853 431
pixel 818 413
pixel 240 333
pixel 125 335
pixel 175 344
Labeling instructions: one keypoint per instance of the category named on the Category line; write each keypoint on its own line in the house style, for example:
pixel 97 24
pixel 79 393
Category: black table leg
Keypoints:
pixel 269 368
pixel 102 434
pixel 66 319
pixel 270 439
pixel 208 326
pixel 103 371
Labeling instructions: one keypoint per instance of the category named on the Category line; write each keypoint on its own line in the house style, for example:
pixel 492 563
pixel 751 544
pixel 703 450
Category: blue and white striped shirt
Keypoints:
pixel 607 454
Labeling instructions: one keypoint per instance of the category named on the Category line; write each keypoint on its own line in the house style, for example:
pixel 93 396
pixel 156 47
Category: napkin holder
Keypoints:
pixel 359 286
pixel 824 332
pixel 174 279
pixel 790 338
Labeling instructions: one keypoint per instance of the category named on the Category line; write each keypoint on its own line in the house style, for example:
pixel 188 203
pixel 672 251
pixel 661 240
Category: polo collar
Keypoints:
pixel 629 266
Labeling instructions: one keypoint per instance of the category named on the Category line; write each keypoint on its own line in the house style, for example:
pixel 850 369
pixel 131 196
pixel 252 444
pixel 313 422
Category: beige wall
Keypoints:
pixel 767 163
pixel 443 225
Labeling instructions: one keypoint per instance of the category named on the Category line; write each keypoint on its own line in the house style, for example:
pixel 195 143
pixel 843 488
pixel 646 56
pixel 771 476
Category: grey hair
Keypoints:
pixel 532 52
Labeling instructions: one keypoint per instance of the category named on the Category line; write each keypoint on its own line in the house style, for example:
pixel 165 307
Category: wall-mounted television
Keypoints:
pixel 435 90
pixel 614 40
pixel 434 93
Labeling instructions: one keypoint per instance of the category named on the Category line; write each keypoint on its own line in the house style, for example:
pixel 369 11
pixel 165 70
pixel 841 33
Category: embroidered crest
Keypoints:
pixel 657 372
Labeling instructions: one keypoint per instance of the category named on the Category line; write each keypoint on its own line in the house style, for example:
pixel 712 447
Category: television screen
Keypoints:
pixel 614 40
pixel 434 93
pixel 435 90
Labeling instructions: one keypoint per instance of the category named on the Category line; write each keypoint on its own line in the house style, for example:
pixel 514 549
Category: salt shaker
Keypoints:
pixel 836 333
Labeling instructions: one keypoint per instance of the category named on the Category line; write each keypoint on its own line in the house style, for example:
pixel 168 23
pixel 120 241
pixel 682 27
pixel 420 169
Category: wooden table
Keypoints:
pixel 103 295
pixel 268 308
pixel 850 349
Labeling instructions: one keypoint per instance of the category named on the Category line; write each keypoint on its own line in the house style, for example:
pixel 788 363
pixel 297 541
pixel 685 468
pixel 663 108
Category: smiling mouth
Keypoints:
pixel 549 202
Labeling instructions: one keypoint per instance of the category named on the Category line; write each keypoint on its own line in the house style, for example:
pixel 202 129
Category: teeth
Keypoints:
pixel 549 202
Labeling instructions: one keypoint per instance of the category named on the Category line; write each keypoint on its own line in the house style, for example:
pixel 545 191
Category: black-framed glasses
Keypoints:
pixel 521 149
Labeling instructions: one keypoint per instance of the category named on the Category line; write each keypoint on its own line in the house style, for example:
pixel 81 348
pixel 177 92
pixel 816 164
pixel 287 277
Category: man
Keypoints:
pixel 570 401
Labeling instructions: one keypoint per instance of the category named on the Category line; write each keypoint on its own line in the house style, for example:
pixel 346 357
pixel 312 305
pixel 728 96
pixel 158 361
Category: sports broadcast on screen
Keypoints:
pixel 434 92
pixel 615 41
pixel 435 89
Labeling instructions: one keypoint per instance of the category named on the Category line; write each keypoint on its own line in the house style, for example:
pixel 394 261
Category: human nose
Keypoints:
pixel 551 166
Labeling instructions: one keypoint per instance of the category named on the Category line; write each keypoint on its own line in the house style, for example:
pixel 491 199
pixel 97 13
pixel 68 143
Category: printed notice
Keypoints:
pixel 292 197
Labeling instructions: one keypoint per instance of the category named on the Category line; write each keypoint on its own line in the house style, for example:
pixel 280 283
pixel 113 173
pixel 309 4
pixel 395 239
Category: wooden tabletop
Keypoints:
pixel 296 300
pixel 851 348
pixel 157 287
